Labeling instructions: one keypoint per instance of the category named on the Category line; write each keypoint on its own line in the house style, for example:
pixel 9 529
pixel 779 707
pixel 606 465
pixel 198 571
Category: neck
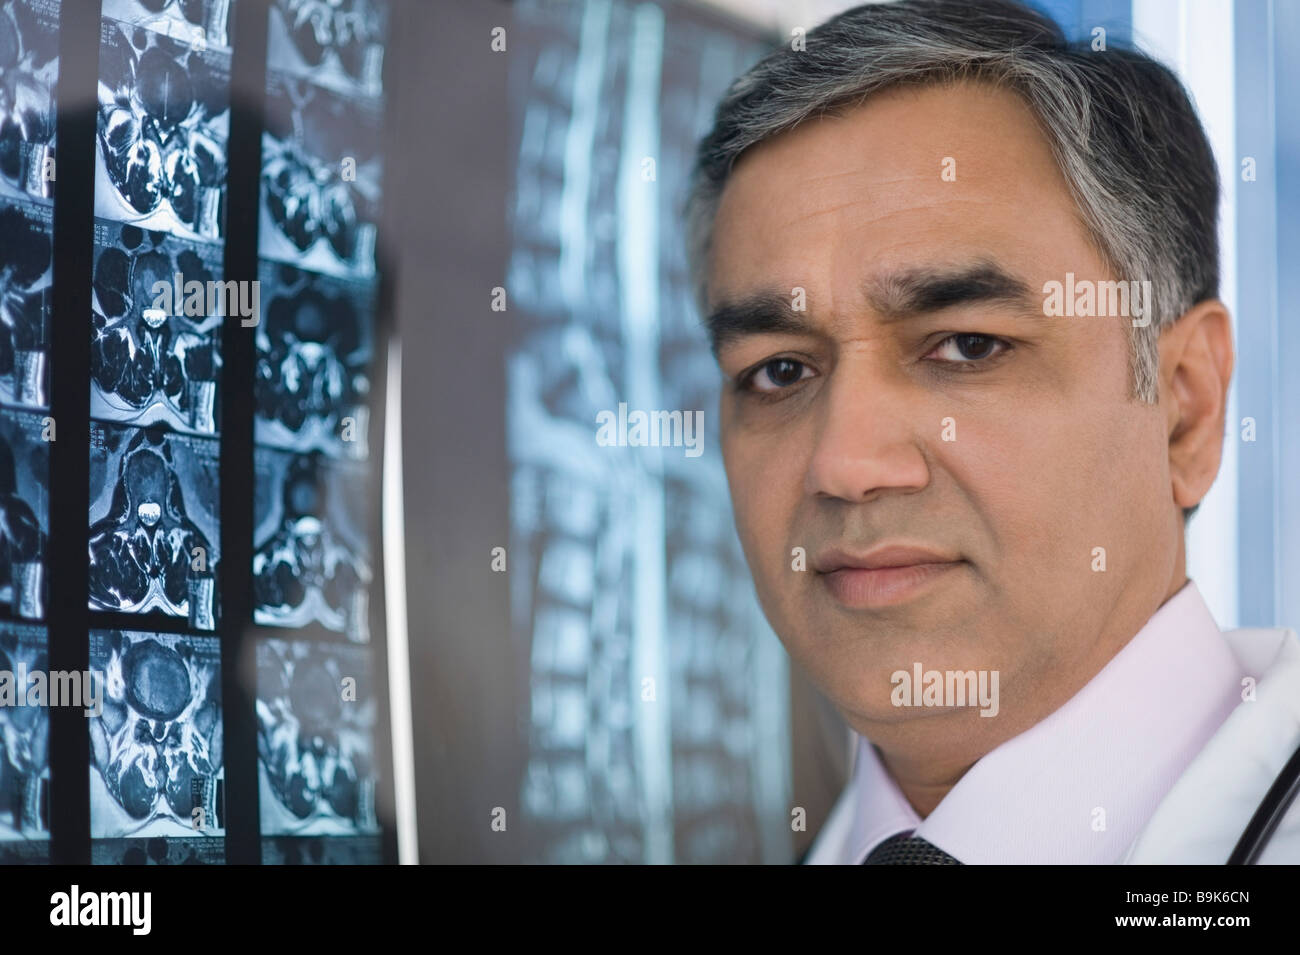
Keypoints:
pixel 924 783
pixel 929 757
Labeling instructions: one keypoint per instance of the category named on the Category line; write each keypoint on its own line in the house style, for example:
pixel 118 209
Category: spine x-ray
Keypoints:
pixel 155 349
pixel 154 524
pixel 621 563
pixel 159 307
pixel 26 245
pixel 316 717
pixel 24 513
pixel 29 70
pixel 24 752
pixel 164 118
pixel 198 23
pixel 320 178
pixel 320 195
pixel 313 356
pixel 311 557
pixel 157 776
pixel 160 164
pixel 337 44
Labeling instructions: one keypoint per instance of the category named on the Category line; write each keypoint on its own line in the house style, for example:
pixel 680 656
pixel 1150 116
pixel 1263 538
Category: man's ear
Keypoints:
pixel 1196 359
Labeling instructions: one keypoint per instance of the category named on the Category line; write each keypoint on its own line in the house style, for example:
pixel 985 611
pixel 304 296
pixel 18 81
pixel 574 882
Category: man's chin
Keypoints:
pixel 882 715
pixel 944 621
pixel 896 674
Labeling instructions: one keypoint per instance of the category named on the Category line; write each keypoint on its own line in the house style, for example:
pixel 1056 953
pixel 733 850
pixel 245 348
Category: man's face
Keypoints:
pixel 923 411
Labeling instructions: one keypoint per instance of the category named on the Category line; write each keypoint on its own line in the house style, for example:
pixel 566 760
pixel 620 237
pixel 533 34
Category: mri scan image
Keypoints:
pixel 200 23
pixel 313 356
pixel 154 525
pixel 158 850
pixel 311 558
pixel 322 850
pixel 338 44
pixel 156 748
pixel 148 363
pixel 24 514
pixel 315 747
pixel 24 753
pixel 320 178
pixel 164 117
pixel 26 286
pixel 29 72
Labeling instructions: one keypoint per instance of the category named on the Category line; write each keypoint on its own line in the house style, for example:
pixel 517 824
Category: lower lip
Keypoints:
pixel 860 588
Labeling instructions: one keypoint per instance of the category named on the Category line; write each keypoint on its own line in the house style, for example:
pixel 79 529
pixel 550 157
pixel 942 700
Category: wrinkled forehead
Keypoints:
pixel 914 177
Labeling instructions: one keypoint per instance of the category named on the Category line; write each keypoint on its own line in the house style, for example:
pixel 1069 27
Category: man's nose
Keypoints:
pixel 868 441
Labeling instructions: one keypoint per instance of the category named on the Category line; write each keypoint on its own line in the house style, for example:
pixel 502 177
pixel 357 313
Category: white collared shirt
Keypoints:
pixel 1079 786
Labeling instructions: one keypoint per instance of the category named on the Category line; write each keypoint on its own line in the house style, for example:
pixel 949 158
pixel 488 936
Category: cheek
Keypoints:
pixel 1124 482
pixel 1053 485
pixel 752 508
pixel 766 482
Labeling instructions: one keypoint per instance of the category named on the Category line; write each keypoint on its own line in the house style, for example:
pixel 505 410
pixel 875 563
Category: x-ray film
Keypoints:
pixel 311 556
pixel 26 247
pixel 24 752
pixel 164 118
pixel 581 557
pixel 313 362
pixel 29 73
pixel 156 748
pixel 24 513
pixel 154 523
pixel 338 44
pixel 197 23
pixel 157 313
pixel 322 850
pixel 316 716
pixel 158 850
pixel 320 178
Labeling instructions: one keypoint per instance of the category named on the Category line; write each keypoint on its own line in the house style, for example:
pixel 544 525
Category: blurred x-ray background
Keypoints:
pixel 528 684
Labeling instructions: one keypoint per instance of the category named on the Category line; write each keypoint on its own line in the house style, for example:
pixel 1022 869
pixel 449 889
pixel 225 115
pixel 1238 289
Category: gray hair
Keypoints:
pixel 1120 125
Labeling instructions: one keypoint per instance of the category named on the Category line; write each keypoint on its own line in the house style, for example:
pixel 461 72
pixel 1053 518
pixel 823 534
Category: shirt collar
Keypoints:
pixel 1078 786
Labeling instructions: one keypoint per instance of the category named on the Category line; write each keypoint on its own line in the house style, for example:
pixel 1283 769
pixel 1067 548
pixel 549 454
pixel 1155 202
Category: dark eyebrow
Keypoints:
pixel 762 312
pixel 905 294
pixel 895 296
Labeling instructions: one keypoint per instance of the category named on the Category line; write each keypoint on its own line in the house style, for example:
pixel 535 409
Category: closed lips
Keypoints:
pixel 880 558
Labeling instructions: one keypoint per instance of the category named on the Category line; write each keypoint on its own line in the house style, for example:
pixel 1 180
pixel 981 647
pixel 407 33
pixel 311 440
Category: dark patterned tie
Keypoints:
pixel 904 849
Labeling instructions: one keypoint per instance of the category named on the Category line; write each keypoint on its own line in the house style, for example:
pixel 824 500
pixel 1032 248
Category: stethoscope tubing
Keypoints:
pixel 1269 814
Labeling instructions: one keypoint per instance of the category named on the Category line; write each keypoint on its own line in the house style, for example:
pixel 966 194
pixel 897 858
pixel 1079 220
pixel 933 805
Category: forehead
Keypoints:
pixel 864 189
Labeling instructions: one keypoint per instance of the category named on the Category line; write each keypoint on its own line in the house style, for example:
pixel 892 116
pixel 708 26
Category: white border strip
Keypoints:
pixel 1196 41
pixel 399 659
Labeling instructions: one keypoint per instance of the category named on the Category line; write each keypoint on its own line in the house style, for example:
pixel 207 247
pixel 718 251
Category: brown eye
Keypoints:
pixel 974 346
pixel 784 371
pixel 967 348
pixel 777 374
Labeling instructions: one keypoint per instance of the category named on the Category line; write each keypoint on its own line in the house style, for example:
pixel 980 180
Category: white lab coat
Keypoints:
pixel 1203 815
pixel 1207 809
